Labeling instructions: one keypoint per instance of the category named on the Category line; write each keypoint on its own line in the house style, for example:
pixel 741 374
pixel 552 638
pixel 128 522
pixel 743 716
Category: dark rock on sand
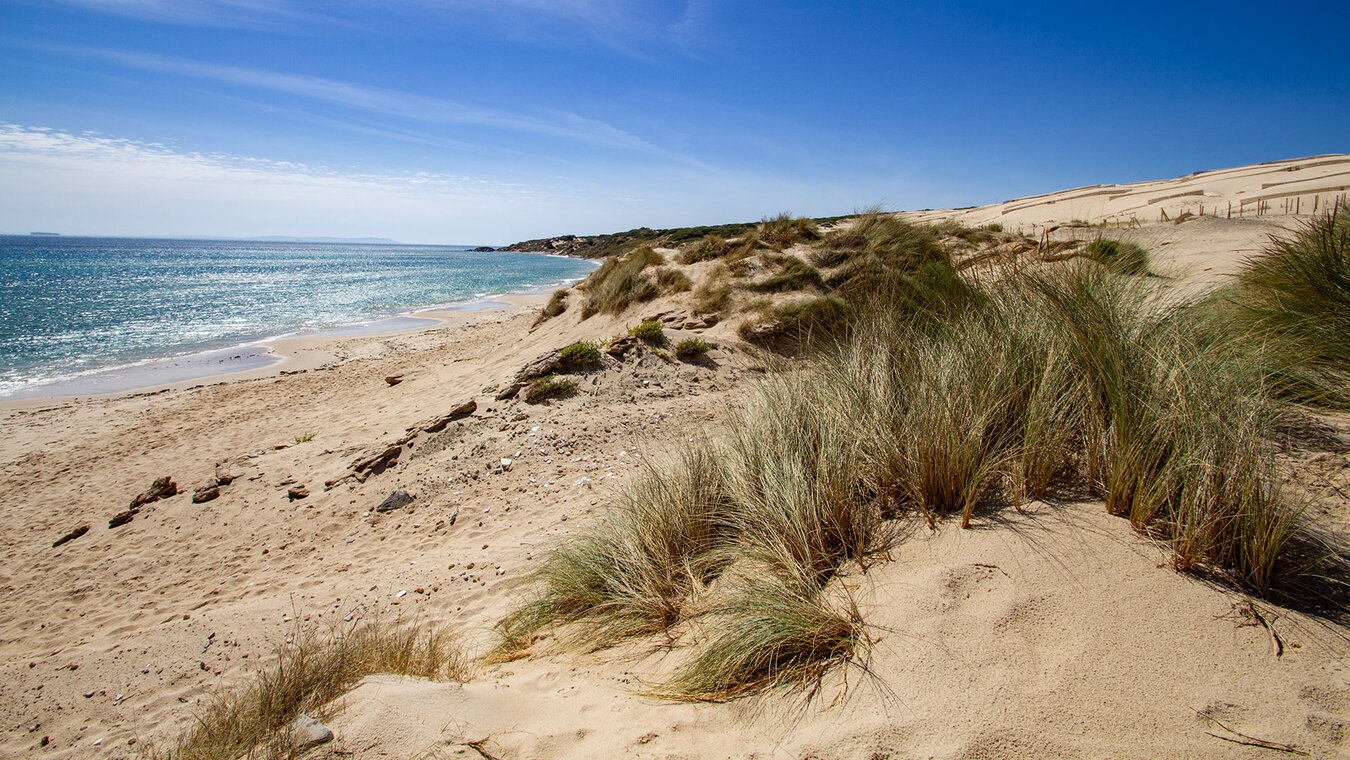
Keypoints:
pixel 206 492
pixel 297 492
pixel 397 500
pixel 71 536
pixel 224 475
pixel 162 488
pixel 121 518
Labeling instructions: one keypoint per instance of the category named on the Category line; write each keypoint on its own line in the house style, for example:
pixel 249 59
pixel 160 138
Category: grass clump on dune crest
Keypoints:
pixel 784 231
pixel 306 676
pixel 620 282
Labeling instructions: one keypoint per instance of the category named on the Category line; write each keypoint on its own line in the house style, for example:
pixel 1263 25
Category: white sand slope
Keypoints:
pixel 1300 186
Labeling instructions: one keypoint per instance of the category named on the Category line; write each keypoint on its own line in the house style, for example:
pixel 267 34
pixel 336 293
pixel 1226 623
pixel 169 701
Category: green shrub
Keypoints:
pixel 583 353
pixel 620 282
pixel 691 348
pixel 650 331
pixel 1118 256
pixel 547 387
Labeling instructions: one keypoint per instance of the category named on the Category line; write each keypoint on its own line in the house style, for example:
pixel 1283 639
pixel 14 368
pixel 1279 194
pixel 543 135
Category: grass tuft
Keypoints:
pixel 620 282
pixel 792 274
pixel 306 676
pixel 768 635
pixel 1118 256
pixel 1295 300
pixel 634 570
pixel 784 231
pixel 671 280
pixel 800 323
pixel 557 304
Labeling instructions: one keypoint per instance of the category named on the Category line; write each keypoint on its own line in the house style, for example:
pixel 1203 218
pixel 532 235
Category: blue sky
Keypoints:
pixel 488 121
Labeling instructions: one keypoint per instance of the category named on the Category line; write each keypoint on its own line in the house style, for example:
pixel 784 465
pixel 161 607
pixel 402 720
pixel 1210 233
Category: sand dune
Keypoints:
pixel 1280 188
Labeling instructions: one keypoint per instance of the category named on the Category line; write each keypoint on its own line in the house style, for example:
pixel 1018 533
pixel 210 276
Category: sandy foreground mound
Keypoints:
pixel 1055 633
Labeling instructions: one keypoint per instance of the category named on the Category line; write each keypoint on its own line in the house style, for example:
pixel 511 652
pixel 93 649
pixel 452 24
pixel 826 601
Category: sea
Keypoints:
pixel 81 315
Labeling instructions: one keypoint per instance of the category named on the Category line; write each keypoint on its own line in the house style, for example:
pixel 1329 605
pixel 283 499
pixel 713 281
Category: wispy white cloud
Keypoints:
pixel 390 103
pixel 138 161
pixel 616 23
pixel 90 183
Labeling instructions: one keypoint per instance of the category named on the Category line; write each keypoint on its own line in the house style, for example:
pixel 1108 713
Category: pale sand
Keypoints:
pixel 1059 633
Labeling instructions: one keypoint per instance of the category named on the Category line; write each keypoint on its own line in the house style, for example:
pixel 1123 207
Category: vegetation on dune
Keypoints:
pixel 306 676
pixel 557 304
pixel 620 282
pixel 784 231
pixel 649 331
pixel 792 274
pixel 940 394
pixel 717 247
pixel 671 280
pixel 547 387
pixel 1294 300
pixel 692 348
pixel 583 353
pixel 1118 256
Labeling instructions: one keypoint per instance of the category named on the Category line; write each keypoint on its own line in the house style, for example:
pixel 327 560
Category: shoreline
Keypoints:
pixel 288 353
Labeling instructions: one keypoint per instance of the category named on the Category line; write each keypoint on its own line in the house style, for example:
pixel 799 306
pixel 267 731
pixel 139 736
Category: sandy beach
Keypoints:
pixel 1053 631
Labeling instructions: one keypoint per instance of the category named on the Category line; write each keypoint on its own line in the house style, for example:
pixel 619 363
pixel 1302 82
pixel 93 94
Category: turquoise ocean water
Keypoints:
pixel 75 309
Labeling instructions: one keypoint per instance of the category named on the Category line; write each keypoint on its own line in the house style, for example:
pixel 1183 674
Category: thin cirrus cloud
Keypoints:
pixel 668 20
pixel 393 103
